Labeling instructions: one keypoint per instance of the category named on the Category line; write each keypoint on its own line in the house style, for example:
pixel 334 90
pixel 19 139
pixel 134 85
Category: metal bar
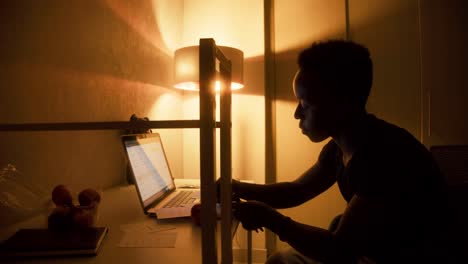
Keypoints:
pixel 166 124
pixel 208 150
pixel 249 247
pixel 422 91
pixel 226 161
pixel 348 25
pixel 270 108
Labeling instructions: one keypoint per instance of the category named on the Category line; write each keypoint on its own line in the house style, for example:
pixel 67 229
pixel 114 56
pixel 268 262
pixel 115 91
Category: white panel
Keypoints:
pixel 297 24
pixel 390 30
pixel 444 68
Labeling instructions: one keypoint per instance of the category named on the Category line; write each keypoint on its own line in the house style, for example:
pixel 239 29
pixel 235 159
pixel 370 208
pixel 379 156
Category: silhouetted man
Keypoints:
pixel 396 206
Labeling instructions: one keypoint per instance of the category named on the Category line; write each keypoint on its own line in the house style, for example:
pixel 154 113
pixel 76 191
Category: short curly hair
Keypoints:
pixel 344 66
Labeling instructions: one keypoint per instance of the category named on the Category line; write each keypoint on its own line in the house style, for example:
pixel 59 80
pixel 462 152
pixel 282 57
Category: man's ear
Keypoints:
pixel 350 103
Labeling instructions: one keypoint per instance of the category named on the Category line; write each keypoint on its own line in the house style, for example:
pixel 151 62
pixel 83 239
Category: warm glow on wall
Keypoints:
pixel 157 21
pixel 236 23
pixel 300 24
pixel 186 71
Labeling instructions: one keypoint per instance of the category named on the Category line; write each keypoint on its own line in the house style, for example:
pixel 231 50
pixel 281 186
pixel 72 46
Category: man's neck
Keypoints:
pixel 348 137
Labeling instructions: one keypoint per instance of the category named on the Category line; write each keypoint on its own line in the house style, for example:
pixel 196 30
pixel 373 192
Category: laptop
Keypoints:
pixel 153 179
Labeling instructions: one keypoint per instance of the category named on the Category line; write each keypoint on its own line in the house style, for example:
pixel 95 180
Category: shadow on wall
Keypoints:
pixel 286 67
pixel 85 36
pixel 286 64
pixel 253 77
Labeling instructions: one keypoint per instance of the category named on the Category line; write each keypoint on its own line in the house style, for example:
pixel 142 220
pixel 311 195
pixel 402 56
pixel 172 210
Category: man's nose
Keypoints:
pixel 298 113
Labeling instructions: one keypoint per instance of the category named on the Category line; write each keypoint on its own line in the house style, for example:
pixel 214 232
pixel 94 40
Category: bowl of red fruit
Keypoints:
pixel 68 214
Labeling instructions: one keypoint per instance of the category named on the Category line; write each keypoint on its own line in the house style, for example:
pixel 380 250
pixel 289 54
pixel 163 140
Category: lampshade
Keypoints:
pixel 186 72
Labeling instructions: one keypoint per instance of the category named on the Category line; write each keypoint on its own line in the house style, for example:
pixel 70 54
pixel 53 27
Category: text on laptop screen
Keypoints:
pixel 149 166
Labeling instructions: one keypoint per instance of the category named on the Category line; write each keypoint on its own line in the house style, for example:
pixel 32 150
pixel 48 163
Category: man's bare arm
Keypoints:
pixel 288 194
pixel 358 226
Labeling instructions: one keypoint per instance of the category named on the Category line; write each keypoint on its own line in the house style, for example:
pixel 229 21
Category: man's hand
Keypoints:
pixel 234 197
pixel 255 215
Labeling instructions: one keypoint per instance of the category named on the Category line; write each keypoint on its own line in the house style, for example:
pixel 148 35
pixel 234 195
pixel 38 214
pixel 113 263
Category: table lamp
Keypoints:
pixel 186 72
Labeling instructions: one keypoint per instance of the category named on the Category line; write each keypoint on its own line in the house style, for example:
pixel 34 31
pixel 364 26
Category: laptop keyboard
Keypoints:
pixel 183 197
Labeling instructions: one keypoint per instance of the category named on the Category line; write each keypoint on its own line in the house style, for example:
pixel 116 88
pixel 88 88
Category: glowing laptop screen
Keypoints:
pixel 150 168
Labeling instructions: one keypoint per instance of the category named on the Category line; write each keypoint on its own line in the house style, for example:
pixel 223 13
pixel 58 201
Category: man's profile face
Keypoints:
pixel 315 110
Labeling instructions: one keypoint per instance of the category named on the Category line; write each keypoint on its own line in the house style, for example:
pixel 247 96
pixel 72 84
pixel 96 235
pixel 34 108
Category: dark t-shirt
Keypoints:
pixel 397 173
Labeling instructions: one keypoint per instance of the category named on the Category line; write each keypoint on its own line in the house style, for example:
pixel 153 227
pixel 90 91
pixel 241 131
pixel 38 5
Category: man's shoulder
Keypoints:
pixel 329 155
pixel 330 146
pixel 329 151
pixel 383 137
pixel 383 128
pixel 394 154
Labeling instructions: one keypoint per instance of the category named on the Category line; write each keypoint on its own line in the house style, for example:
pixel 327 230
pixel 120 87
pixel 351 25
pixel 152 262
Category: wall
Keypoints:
pixel 85 61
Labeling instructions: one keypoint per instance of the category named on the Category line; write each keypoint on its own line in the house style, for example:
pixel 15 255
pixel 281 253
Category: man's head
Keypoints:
pixel 332 86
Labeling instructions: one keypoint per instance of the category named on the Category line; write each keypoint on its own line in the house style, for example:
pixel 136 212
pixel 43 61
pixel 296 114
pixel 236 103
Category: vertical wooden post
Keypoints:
pixel 270 106
pixel 208 149
pixel 226 161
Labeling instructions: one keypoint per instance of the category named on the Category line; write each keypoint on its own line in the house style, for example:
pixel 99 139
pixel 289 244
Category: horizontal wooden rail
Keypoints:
pixel 129 125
